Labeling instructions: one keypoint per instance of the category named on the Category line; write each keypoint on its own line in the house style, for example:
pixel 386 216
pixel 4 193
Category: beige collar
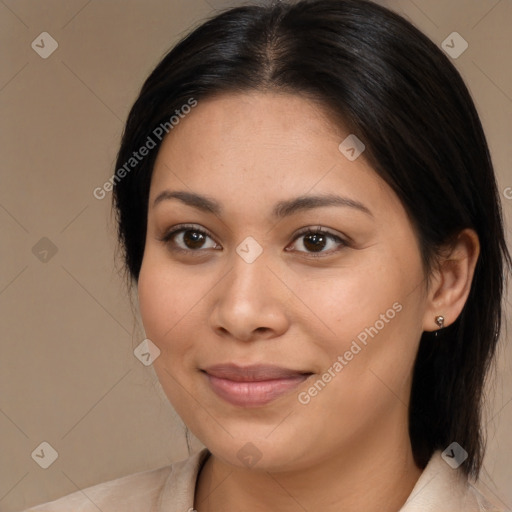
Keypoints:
pixel 439 488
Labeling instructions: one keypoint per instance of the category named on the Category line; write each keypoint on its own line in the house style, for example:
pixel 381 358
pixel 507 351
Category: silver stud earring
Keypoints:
pixel 440 323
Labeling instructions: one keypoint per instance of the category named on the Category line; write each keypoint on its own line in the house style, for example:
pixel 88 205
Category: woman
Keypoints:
pixel 307 207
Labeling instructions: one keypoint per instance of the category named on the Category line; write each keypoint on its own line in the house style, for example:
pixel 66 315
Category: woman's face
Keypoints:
pixel 337 316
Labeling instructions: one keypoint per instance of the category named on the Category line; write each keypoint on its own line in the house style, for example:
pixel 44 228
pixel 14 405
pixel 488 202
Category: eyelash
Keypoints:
pixel 319 230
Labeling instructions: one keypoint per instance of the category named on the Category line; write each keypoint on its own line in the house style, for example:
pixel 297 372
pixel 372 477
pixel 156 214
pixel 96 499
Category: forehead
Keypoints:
pixel 238 146
pixel 270 122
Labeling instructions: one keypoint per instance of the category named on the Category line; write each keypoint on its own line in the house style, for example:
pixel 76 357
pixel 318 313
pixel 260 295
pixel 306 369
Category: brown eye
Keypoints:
pixel 193 239
pixel 315 242
pixel 188 238
pixel 318 242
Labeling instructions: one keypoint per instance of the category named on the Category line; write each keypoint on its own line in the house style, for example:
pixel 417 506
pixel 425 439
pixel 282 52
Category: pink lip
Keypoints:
pixel 252 386
pixel 252 373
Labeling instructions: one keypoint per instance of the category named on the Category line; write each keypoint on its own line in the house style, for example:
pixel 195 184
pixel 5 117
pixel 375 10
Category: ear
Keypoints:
pixel 450 282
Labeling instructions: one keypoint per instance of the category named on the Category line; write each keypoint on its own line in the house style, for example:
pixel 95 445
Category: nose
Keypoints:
pixel 249 303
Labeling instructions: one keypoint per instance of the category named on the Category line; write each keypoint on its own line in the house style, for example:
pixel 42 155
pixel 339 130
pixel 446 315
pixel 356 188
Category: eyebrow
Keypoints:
pixel 281 209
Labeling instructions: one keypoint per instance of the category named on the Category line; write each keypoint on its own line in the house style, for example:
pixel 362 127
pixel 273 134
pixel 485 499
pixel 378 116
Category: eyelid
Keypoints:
pixel 183 227
pixel 317 229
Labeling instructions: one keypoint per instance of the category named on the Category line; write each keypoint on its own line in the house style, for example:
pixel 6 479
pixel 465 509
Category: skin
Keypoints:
pixel 348 448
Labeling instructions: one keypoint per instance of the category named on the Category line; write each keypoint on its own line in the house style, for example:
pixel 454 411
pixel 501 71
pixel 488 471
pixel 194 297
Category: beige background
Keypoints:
pixel 68 375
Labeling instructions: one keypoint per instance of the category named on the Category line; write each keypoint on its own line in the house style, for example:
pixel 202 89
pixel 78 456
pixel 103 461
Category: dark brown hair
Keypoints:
pixel 402 96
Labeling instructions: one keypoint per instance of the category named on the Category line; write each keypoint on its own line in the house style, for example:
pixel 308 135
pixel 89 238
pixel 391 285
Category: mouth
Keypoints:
pixel 252 386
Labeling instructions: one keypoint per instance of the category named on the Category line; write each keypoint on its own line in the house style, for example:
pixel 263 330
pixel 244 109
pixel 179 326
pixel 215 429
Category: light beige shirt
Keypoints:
pixel 171 489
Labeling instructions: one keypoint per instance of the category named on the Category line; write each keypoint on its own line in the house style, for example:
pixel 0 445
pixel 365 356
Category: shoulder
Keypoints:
pixel 441 487
pixel 146 490
pixel 126 493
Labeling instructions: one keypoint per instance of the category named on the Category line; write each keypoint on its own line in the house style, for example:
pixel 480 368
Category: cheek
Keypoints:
pixel 153 300
pixel 377 322
pixel 170 307
pixel 167 310
pixel 349 299
pixel 371 313
pixel 161 301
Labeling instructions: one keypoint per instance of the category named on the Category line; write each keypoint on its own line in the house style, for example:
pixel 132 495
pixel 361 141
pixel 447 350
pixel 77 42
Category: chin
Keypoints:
pixel 259 451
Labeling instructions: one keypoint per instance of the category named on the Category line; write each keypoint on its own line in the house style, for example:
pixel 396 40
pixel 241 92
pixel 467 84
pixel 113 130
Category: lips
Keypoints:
pixel 252 373
pixel 252 386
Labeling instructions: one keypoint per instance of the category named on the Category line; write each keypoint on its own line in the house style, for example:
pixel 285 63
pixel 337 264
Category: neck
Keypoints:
pixel 370 475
